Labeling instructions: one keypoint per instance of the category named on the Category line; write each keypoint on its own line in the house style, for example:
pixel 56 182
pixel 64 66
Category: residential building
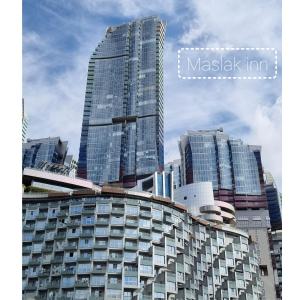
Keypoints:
pixel 35 151
pixel 24 122
pixel 234 168
pixel 175 167
pixel 276 254
pixel 122 244
pixel 122 137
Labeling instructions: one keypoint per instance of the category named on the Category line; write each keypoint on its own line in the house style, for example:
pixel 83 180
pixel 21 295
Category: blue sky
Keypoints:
pixel 60 35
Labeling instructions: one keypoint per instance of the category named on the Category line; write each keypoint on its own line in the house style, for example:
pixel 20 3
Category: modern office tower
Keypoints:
pixel 234 168
pixel 158 184
pixel 175 167
pixel 122 138
pixel 52 150
pixel 274 202
pixel 24 122
pixel 256 222
pixel 276 253
pixel 117 244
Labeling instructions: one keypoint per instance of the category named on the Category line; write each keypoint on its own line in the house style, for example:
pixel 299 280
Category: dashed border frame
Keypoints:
pixel 229 77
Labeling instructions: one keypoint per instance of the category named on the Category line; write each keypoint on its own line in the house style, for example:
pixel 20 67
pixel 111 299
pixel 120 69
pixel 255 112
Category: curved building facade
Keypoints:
pixel 117 244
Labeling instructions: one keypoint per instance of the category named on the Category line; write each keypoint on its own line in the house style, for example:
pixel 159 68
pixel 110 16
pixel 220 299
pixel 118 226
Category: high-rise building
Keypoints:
pixel 24 122
pixel 274 202
pixel 51 149
pixel 175 167
pixel 118 244
pixel 122 138
pixel 234 168
pixel 236 173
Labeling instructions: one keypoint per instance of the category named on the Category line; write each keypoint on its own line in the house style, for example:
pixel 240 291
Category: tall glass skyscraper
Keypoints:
pixel 234 168
pixel 122 130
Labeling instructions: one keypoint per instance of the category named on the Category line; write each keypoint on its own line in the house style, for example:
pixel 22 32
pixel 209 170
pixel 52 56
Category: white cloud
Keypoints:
pixel 128 8
pixel 55 100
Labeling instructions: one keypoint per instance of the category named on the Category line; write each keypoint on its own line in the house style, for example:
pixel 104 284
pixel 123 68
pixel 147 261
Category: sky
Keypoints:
pixel 60 35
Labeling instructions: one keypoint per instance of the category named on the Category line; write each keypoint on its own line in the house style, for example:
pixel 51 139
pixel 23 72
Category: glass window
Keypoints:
pixel 157 214
pixel 146 269
pixel 132 210
pixel 100 254
pixel 130 280
pixel 97 280
pixel 84 267
pixel 75 209
pixel 116 243
pixel 159 259
pixel 101 231
pixel 88 220
pixel 103 208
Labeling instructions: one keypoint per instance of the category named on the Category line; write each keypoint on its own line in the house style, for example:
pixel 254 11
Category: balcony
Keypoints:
pixel 102 221
pixel 115 286
pixel 100 245
pixel 159 288
pixel 132 223
pixel 146 236
pixel 70 258
pixel 117 211
pixel 116 233
pixel 146 214
pixel 82 283
pixel 115 257
pixel 31 287
pixel 73 234
pixel 61 225
pixel 114 270
pixel 88 211
pixel 27 227
pixel 88 233
pixel 131 247
pixel 82 258
pixel 62 214
pixel 57 260
pixel 73 223
pixel 71 246
pixel 56 271
pixel 68 271
pixel 53 285
pixel 44 273
pixel 168 219
pixel 42 216
pixel 34 261
pixel 157 227
pixel 60 236
pixel 50 226
pixel 26 250
pixel 99 270
pixel 38 238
